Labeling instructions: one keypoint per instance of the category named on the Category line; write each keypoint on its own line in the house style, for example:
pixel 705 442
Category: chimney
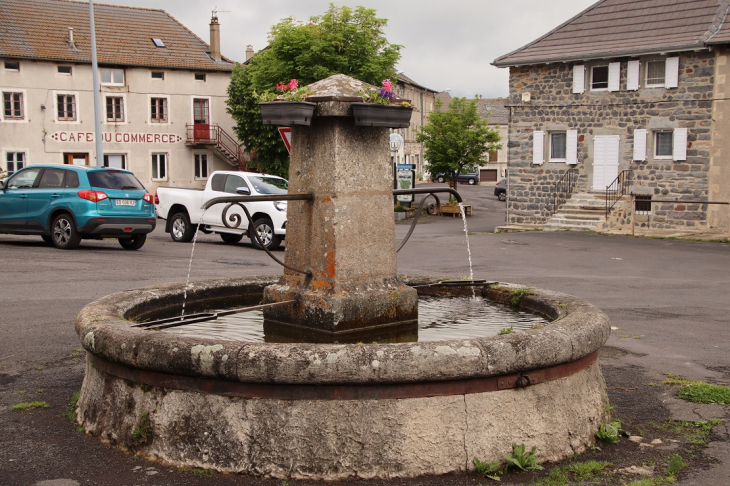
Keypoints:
pixel 71 37
pixel 249 52
pixel 215 38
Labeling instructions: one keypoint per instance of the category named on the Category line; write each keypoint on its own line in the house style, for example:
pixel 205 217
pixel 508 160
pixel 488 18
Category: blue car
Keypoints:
pixel 64 204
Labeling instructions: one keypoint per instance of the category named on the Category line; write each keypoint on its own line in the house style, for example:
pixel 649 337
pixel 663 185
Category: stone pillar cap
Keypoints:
pixel 338 87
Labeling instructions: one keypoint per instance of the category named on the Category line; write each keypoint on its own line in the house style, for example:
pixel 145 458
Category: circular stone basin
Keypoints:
pixel 336 411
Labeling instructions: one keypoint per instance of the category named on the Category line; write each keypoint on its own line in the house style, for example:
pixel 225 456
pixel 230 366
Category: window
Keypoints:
pixel 114 109
pixel 199 76
pixel 158 75
pixel 493 156
pixel 201 166
pixel 14 161
pixel 13 106
pixel 158 42
pixel 642 204
pixel 66 107
pixel 72 179
pixel 51 179
pixel 233 183
pixel 115 161
pixel 159 167
pixel 558 144
pixel 12 66
pixel 663 145
pixel 158 110
pixel 111 76
pixel 201 111
pixel 599 78
pixel 24 180
pixel 64 70
pixel 655 74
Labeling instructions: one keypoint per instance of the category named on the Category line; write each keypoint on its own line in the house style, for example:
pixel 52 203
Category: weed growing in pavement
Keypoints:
pixel 527 461
pixel 695 433
pixel 490 470
pixel 611 432
pixel 30 405
pixel 143 433
pixel 705 393
pixel 506 330
pixel 204 472
pixel 673 379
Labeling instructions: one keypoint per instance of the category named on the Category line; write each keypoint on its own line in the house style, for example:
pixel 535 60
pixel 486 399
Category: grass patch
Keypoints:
pixel 695 433
pixel 30 405
pixel 143 433
pixel 506 330
pixel 204 472
pixel 579 471
pixel 705 393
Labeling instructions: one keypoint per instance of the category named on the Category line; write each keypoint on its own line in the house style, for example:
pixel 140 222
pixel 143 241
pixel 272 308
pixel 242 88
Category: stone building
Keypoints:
pixel 423 100
pixel 163 92
pixel 629 89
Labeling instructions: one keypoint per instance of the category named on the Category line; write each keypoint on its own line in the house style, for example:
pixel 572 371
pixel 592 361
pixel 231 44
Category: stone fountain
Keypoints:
pixel 322 410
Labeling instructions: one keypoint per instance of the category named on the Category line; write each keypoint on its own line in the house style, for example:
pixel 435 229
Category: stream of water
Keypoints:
pixel 190 265
pixel 468 248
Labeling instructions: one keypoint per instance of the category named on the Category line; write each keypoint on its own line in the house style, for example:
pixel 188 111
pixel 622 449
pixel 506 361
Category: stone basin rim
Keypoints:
pixel 579 329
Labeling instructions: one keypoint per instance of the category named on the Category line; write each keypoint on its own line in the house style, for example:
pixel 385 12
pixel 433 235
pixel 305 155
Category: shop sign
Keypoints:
pixel 116 137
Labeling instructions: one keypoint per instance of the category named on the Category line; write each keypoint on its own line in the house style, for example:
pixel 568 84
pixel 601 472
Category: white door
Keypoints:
pixel 605 160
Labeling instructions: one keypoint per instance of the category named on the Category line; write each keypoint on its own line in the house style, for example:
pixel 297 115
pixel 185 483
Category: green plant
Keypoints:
pixel 673 379
pixel 487 469
pixel 70 411
pixel 518 295
pixel 611 432
pixel 506 330
pixel 145 387
pixel 204 472
pixel 676 464
pixel 29 405
pixel 287 92
pixel 399 209
pixel 705 393
pixel 527 461
pixel 583 471
pixel 143 432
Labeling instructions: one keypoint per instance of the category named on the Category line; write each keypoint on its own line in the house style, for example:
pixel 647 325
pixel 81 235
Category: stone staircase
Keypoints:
pixel 582 212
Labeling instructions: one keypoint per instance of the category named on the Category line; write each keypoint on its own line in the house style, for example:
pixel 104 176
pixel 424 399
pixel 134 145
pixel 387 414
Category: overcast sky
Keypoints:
pixel 447 44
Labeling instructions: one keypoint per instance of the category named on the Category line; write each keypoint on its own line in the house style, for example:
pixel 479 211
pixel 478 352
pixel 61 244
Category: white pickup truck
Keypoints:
pixel 181 208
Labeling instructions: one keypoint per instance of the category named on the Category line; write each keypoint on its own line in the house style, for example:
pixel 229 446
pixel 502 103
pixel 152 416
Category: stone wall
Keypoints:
pixel 553 106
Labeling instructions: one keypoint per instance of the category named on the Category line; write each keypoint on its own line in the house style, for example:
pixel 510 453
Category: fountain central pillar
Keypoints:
pixel 346 236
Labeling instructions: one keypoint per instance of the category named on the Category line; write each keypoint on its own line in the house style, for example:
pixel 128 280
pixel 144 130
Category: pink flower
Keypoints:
pixel 282 87
pixel 387 85
pixel 293 84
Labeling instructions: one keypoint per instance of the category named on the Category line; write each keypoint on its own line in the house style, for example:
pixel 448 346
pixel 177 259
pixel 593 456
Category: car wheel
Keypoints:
pixel 134 243
pixel 265 229
pixel 64 234
pixel 440 179
pixel 231 238
pixel 502 196
pixel 472 182
pixel 180 228
pixel 47 239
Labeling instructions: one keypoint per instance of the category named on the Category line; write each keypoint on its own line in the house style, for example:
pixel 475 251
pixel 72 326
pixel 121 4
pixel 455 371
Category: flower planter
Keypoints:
pixel 287 113
pixel 374 115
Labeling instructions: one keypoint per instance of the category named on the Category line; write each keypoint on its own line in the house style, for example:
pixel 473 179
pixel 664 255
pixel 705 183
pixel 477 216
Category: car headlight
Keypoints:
pixel 280 205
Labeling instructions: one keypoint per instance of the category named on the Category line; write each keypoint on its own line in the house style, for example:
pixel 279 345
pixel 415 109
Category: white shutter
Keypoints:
pixel 671 75
pixel 614 76
pixel 537 148
pixel 632 75
pixel 579 75
pixel 571 147
pixel 640 144
pixel 680 144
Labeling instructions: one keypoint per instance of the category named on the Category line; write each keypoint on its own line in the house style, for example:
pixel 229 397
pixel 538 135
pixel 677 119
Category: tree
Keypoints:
pixel 342 41
pixel 455 140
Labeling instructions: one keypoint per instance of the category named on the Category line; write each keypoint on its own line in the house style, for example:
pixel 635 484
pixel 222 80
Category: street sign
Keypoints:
pixel 285 133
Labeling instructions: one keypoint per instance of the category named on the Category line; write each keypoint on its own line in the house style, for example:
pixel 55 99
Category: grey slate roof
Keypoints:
pixel 494 110
pixel 38 29
pixel 402 78
pixel 614 28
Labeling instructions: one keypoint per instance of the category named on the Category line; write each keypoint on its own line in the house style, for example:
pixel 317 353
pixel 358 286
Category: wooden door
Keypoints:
pixel 605 160
pixel 201 119
pixel 76 159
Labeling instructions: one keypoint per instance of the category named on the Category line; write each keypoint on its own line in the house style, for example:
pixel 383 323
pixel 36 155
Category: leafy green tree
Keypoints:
pixel 341 41
pixel 456 140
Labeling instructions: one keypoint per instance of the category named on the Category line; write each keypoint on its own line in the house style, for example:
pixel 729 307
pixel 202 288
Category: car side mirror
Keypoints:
pixel 244 191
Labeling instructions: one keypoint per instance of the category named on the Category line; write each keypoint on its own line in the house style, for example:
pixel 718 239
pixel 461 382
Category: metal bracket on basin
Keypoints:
pixel 205 316
pixel 236 219
pixel 429 192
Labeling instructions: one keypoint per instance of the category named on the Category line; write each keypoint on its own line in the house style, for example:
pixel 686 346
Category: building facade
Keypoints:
pixel 423 100
pixel 645 106
pixel 162 92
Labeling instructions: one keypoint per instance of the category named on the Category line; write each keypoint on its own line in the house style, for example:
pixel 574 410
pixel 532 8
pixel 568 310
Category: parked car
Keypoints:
pixel 500 190
pixel 181 208
pixel 64 204
pixel 470 178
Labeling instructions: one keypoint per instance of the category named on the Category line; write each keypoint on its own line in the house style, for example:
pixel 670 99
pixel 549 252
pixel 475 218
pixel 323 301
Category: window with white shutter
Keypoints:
pixel 640 144
pixel 632 75
pixel 579 82
pixel 680 144
pixel 571 147
pixel 672 72
pixel 537 148
pixel 614 76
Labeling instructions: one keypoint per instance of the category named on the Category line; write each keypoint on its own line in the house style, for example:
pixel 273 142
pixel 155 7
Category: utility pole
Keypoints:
pixel 97 101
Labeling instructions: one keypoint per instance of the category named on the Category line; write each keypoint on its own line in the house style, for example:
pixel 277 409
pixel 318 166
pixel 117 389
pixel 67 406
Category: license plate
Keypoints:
pixel 125 202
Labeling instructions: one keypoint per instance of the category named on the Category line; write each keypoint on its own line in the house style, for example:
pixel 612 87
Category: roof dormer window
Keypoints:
pixel 158 42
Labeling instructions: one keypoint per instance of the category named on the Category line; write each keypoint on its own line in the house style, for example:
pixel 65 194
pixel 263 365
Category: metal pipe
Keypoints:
pixel 95 80
pixel 398 192
pixel 244 199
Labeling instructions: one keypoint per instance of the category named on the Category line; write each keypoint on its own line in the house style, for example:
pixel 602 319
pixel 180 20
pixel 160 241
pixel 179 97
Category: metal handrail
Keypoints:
pixel 563 188
pixel 618 188
pixel 221 139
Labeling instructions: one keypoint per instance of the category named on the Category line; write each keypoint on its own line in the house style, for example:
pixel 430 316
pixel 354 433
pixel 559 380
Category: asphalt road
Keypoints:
pixel 668 301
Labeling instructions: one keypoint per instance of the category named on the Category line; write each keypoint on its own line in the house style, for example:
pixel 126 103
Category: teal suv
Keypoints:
pixel 65 204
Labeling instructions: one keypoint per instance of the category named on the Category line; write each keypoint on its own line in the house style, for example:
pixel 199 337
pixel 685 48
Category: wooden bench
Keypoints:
pixel 454 210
